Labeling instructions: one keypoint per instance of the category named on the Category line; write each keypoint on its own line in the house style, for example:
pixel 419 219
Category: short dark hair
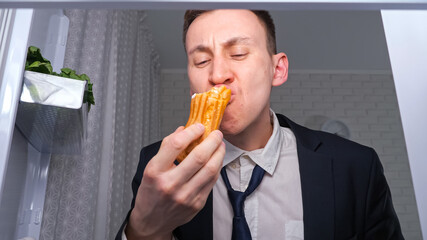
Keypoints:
pixel 263 16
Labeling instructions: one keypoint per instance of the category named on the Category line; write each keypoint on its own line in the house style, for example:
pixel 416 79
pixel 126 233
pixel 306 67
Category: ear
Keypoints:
pixel 281 65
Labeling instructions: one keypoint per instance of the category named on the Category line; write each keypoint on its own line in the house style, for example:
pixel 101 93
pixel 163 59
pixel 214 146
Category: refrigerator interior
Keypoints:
pixel 26 168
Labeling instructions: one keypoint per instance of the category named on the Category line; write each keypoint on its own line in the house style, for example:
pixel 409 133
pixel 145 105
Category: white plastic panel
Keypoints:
pixel 14 183
pixel 406 35
pixel 11 81
pixel 206 4
pixel 49 32
pixel 32 202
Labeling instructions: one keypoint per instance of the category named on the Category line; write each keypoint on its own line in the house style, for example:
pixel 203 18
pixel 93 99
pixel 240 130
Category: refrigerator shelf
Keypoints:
pixel 51 113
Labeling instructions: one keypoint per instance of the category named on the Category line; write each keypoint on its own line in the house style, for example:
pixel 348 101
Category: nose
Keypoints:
pixel 221 72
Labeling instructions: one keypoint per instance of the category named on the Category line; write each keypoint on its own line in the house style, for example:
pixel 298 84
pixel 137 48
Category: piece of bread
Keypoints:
pixel 206 108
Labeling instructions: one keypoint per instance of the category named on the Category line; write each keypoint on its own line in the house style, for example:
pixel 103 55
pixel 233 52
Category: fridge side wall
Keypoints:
pixel 14 32
pixel 14 183
pixel 23 169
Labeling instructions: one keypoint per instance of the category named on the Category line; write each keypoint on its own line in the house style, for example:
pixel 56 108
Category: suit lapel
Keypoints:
pixel 317 184
pixel 317 194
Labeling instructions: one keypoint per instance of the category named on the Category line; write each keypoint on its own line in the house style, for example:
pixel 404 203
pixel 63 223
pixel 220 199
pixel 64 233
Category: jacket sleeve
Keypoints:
pixel 381 221
pixel 145 156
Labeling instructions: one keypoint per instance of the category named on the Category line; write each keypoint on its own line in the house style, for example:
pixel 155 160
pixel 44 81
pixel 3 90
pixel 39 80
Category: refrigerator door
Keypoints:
pixel 24 169
pixel 15 29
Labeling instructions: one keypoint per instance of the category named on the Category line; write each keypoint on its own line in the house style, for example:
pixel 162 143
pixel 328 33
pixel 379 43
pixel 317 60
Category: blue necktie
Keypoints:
pixel 240 226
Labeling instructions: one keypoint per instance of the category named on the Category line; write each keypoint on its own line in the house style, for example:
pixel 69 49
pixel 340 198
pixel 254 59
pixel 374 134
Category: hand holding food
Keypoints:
pixel 177 191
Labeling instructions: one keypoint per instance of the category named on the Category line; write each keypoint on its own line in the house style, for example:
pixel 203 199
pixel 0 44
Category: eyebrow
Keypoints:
pixel 199 48
pixel 231 42
pixel 236 40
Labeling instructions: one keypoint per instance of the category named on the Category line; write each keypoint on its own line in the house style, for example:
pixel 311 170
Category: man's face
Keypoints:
pixel 229 47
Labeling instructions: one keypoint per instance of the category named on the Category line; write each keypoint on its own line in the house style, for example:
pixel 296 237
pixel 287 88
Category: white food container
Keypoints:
pixel 51 113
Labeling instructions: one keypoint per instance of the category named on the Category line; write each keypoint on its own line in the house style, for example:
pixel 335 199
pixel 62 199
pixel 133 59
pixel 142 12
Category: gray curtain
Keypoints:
pixel 88 195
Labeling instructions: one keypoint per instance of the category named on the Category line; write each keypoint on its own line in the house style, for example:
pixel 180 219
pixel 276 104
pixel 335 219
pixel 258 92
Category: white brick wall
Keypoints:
pixel 366 102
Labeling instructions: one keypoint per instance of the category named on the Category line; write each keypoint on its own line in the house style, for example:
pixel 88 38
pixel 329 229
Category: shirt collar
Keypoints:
pixel 266 157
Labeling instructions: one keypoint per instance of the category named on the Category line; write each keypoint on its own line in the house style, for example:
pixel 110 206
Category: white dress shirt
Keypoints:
pixel 274 209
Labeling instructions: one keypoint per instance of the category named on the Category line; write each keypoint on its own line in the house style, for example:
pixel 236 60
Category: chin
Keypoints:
pixel 231 124
pixel 228 128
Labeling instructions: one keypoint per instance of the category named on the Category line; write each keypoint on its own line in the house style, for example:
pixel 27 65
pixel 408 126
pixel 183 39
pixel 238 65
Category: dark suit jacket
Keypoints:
pixel 344 192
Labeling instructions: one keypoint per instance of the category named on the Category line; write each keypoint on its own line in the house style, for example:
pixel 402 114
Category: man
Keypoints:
pixel 313 185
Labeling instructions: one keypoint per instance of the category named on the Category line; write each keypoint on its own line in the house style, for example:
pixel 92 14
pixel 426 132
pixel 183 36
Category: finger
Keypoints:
pixel 179 129
pixel 199 187
pixel 210 172
pixel 175 143
pixel 199 156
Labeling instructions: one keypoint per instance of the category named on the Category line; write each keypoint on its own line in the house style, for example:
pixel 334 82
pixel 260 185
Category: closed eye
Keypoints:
pixel 239 56
pixel 202 63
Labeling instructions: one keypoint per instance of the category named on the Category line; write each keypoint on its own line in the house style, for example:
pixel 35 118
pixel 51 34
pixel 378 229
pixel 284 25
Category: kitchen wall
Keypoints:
pixel 364 100
pixel 312 39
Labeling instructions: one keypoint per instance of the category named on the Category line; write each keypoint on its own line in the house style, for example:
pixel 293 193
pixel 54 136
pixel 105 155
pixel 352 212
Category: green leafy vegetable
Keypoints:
pixel 37 63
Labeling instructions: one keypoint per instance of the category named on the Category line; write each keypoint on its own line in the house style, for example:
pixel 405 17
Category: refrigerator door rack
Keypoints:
pixel 51 113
